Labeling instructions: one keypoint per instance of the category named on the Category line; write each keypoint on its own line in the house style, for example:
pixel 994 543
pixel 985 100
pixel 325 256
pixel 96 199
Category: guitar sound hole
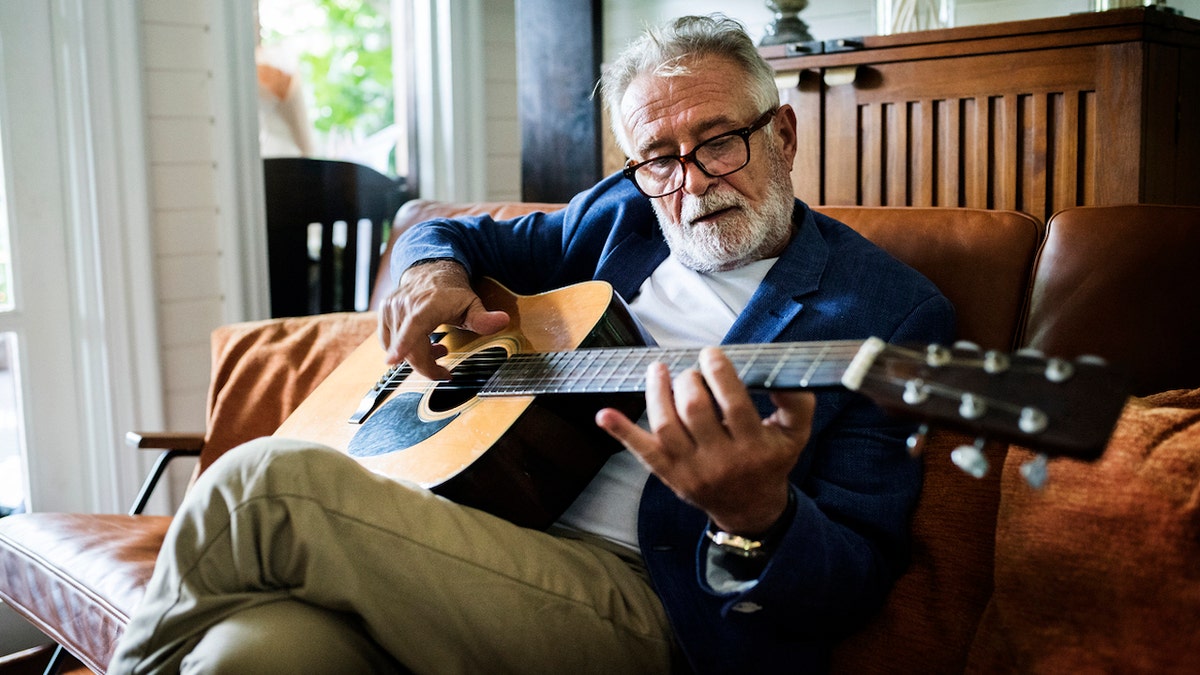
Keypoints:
pixel 467 378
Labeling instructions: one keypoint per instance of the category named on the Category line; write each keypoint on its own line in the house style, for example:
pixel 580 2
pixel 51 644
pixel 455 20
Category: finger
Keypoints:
pixel 660 400
pixel 412 344
pixel 728 390
pixel 793 413
pixel 478 319
pixel 621 427
pixel 696 409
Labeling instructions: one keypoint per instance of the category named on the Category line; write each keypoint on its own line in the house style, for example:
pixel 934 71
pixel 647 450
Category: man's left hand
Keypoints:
pixel 709 445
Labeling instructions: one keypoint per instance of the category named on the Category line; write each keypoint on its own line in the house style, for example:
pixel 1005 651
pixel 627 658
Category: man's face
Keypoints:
pixel 714 223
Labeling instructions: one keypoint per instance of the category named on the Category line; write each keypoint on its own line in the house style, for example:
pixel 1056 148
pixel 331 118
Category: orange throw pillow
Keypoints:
pixel 262 370
pixel 1099 571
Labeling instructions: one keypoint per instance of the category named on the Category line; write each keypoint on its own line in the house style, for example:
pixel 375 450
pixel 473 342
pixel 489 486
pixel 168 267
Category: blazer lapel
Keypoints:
pixel 779 298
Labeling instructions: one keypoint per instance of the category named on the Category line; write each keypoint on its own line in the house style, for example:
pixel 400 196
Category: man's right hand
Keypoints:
pixel 431 295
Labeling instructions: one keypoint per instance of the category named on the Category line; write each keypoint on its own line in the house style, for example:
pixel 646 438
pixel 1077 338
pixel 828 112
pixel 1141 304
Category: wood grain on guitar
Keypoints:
pixel 512 431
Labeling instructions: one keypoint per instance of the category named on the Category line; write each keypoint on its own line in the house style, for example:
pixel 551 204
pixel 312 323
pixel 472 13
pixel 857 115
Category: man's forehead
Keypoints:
pixel 659 111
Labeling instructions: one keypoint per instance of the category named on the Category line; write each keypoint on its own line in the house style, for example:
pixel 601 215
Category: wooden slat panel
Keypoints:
pixel 897 132
pixel 804 95
pixel 922 169
pixel 872 173
pixel 1087 147
pixel 841 151
pixel 1031 195
pixel 1065 169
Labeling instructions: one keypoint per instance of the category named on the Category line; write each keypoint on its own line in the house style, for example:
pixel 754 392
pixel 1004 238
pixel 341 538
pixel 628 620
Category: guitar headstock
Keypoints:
pixel 1051 405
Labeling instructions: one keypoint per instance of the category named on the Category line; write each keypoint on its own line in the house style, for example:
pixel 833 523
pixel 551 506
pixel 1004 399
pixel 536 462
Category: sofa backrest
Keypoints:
pixel 981 259
pixel 1120 282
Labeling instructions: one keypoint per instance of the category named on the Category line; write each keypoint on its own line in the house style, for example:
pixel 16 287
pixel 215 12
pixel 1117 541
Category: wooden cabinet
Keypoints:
pixel 1096 108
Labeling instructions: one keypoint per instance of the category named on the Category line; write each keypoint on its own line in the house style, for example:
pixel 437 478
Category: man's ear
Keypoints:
pixel 785 132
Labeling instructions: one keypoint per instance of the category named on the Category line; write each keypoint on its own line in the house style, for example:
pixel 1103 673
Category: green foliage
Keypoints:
pixel 346 65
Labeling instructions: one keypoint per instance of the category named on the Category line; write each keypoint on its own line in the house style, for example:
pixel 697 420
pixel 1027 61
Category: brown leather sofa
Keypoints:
pixel 1094 572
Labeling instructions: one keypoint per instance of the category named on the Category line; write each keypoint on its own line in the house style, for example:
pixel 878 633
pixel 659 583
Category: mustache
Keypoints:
pixel 695 208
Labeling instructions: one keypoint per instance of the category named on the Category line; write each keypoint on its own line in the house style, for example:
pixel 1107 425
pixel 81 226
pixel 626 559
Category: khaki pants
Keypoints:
pixel 292 558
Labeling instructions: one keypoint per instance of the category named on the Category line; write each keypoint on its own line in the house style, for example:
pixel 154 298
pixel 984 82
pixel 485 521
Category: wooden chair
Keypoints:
pixel 326 226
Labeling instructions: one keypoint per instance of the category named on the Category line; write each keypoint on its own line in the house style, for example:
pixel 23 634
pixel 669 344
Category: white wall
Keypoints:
pixel 179 61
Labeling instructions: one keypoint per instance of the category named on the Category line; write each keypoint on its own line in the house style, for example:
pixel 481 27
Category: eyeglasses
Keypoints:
pixel 718 156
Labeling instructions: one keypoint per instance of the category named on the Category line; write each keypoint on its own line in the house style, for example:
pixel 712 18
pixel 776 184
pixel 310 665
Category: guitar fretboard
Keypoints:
pixel 623 370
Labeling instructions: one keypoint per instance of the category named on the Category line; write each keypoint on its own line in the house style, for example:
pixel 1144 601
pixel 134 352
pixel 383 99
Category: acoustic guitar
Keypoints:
pixel 512 430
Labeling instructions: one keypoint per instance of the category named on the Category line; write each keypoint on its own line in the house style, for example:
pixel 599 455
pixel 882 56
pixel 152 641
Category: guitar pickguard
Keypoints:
pixel 397 425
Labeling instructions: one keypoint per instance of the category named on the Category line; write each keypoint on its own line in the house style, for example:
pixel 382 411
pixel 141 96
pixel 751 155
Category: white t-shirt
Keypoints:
pixel 679 307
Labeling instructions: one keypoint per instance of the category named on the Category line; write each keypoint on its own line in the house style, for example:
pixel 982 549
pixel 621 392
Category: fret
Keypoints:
pixel 813 367
pixel 779 364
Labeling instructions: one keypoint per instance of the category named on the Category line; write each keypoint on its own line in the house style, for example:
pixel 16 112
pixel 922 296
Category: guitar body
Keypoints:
pixel 523 458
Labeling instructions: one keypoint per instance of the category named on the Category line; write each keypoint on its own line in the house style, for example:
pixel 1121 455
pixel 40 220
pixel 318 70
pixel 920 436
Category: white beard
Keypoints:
pixel 741 237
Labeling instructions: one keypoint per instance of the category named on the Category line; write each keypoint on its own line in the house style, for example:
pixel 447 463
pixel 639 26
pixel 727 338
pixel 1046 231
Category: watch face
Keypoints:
pixel 736 544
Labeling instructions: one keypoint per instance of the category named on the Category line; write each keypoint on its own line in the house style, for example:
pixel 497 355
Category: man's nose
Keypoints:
pixel 695 180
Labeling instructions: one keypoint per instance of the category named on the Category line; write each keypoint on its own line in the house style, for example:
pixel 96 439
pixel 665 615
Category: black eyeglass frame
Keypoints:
pixel 630 170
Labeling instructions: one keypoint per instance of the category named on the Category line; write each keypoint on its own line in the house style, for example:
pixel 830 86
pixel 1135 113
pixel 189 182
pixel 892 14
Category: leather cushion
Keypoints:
pixel 979 259
pixel 1099 571
pixel 77 577
pixel 1120 282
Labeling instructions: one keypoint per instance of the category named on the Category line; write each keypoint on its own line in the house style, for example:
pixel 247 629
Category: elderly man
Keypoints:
pixel 737 532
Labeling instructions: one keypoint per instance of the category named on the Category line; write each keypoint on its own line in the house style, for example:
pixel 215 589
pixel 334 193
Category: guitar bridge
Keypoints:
pixel 391 379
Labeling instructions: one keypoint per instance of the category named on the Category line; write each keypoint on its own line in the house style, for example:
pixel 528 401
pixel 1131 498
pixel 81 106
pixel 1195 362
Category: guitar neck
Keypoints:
pixel 797 365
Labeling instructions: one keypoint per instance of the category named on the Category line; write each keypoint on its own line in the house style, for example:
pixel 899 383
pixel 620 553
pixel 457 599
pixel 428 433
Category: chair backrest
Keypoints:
pixel 1120 282
pixel 326 223
pixel 981 259
pixel 420 210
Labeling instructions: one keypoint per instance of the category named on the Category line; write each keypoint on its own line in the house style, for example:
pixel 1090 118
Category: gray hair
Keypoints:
pixel 665 50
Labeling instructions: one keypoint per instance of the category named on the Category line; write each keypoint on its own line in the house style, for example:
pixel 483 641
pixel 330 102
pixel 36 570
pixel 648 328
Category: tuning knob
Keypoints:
pixel 937 355
pixel 916 442
pixel 1035 471
pixel 970 458
pixel 1058 370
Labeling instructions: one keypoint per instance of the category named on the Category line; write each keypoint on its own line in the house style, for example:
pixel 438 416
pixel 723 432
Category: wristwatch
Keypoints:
pixel 736 544
pixel 753 547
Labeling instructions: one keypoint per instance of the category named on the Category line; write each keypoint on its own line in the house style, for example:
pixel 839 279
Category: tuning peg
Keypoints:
pixel 916 441
pixel 970 458
pixel 966 346
pixel 1058 370
pixel 972 407
pixel 937 355
pixel 1091 360
pixel 1031 352
pixel 1035 471
pixel 995 362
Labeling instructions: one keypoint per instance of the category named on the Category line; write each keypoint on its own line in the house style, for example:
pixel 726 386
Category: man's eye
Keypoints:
pixel 661 165
pixel 721 144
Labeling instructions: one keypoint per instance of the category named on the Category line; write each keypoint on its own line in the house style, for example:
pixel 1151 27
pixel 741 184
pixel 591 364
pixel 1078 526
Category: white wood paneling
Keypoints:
pixel 503 136
pixel 179 59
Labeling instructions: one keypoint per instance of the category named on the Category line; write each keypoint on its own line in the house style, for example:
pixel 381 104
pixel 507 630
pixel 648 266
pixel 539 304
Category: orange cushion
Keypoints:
pixel 1099 571
pixel 262 370
pixel 929 619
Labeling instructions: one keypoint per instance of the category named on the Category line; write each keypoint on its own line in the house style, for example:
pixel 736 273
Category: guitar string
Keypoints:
pixel 524 371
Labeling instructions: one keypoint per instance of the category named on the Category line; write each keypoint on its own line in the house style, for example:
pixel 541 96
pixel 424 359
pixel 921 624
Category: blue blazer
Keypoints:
pixel 855 485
